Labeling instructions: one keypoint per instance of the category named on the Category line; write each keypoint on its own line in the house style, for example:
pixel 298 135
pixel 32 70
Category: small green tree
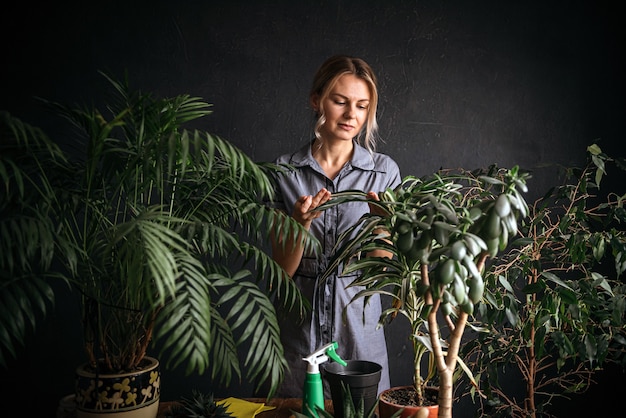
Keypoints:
pixel 554 304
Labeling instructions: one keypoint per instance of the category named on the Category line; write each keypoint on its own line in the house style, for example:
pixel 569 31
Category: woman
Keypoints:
pixel 341 157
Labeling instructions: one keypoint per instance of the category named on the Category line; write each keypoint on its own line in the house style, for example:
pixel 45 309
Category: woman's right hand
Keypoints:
pixel 287 252
pixel 303 209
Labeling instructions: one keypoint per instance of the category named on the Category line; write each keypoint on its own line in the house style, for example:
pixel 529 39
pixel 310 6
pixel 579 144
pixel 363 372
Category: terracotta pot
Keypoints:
pixel 135 394
pixel 387 408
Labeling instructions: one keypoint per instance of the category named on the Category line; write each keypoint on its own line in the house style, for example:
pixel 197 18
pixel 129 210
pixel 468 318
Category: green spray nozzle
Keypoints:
pixel 313 392
pixel 322 355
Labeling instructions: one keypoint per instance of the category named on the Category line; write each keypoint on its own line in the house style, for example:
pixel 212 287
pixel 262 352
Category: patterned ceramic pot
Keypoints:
pixel 134 394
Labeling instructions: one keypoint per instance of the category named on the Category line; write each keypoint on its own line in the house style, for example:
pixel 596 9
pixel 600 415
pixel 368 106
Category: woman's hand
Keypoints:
pixel 287 252
pixel 303 209
pixel 374 209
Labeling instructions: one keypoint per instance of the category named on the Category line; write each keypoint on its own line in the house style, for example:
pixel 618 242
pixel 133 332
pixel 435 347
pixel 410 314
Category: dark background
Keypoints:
pixel 462 84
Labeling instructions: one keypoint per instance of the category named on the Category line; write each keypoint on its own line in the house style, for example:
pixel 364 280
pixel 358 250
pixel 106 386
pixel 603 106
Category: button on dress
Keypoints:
pixel 325 322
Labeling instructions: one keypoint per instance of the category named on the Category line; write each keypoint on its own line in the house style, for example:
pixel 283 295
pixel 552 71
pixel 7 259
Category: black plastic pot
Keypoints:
pixel 360 376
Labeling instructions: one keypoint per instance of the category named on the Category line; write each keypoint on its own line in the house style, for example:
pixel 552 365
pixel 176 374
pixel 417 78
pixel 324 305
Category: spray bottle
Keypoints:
pixel 313 394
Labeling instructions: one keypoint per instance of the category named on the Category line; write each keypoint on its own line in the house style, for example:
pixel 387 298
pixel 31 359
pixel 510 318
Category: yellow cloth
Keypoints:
pixel 240 408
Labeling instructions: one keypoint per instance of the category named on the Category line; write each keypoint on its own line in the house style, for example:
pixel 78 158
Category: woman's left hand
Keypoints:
pixel 374 209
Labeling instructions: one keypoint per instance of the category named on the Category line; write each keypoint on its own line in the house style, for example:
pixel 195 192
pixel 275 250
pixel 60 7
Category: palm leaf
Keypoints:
pixel 253 317
pixel 27 230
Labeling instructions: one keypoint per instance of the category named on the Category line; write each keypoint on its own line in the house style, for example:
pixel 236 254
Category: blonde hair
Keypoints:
pixel 325 79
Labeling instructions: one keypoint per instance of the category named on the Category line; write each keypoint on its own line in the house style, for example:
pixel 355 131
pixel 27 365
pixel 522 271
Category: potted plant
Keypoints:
pixel 348 408
pixel 157 228
pixel 439 231
pixel 199 405
pixel 554 305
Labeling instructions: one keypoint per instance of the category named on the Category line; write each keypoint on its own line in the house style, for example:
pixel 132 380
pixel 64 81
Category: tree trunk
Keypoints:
pixel 446 364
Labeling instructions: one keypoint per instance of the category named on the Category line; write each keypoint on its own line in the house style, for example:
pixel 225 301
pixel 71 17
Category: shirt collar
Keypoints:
pixel 361 158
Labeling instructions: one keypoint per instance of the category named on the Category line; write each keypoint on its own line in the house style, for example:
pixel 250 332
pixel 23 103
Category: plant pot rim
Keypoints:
pixel 147 363
pixel 396 388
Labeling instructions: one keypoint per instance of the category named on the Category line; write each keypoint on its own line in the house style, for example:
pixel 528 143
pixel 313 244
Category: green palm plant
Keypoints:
pixel 162 231
pixel 439 231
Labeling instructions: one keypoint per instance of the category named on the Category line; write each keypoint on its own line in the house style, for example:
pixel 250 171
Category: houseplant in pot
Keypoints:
pixel 349 408
pixel 439 231
pixel 160 231
pixel 555 306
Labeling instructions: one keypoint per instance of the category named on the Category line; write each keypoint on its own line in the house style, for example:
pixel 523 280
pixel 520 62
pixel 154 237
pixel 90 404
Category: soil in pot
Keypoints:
pixel 397 398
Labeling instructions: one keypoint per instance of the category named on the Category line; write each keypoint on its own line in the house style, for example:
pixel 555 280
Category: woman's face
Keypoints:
pixel 346 108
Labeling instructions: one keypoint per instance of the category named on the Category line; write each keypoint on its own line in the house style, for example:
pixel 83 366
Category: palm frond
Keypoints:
pixel 253 317
pixel 277 282
pixel 27 231
pixel 20 299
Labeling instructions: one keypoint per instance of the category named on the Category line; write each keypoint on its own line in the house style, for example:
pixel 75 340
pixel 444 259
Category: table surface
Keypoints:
pixel 284 407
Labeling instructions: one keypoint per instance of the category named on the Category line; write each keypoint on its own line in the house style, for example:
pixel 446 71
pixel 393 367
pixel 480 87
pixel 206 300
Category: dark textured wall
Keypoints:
pixel 462 84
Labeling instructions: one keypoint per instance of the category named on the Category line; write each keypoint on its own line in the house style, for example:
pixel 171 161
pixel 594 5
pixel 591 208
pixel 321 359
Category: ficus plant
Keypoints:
pixel 554 305
pixel 437 233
